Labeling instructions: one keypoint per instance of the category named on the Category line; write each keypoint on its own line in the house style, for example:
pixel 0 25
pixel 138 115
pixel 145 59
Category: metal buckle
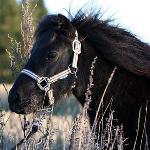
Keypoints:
pixel 76 46
pixel 72 69
pixel 44 83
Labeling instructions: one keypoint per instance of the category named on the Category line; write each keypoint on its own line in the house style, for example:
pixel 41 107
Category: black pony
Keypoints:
pixel 113 46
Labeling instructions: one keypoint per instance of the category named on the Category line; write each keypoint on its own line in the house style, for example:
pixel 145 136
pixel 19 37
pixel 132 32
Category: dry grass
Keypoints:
pixel 65 133
pixel 12 127
pixel 13 132
pixel 3 95
pixel 63 128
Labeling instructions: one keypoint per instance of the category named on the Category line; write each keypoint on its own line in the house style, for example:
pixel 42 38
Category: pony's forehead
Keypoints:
pixel 48 22
pixel 50 19
pixel 52 27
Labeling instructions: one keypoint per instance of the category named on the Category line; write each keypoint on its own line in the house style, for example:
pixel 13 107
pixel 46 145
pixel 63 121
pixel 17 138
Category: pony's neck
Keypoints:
pixel 102 72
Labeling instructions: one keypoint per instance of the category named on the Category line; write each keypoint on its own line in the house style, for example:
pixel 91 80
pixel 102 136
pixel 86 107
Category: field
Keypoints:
pixel 12 133
pixel 66 128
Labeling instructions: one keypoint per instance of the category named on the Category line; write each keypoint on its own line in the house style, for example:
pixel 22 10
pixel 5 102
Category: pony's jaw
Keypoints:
pixel 26 105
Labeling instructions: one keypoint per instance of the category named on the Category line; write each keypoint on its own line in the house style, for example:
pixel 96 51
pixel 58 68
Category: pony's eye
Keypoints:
pixel 51 55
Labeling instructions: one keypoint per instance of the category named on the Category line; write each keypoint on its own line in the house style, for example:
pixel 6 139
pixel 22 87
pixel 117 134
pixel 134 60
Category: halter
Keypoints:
pixel 44 83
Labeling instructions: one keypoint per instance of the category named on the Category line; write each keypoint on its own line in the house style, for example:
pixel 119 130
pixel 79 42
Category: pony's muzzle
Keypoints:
pixel 14 100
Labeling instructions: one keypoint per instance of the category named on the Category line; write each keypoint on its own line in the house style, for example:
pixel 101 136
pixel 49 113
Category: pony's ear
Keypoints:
pixel 65 25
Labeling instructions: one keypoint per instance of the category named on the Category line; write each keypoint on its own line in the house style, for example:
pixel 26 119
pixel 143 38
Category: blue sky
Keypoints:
pixel 131 14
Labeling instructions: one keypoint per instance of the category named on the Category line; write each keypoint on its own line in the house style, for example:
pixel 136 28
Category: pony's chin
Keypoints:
pixel 23 111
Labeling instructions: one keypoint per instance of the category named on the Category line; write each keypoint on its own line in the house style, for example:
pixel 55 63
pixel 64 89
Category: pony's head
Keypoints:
pixel 51 54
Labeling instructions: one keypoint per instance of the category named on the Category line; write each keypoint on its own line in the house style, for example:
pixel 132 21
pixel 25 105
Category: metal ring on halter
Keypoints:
pixel 71 69
pixel 44 83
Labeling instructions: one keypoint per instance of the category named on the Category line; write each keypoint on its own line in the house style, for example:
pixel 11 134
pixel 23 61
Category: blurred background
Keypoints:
pixel 10 19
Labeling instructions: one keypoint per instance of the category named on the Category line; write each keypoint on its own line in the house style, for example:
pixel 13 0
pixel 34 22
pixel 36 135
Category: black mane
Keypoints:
pixel 115 44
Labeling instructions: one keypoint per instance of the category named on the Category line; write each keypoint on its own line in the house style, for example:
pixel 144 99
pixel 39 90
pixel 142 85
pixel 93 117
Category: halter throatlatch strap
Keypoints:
pixel 45 82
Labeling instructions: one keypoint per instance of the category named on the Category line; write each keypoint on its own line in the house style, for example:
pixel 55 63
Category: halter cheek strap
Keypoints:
pixel 45 82
pixel 76 47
